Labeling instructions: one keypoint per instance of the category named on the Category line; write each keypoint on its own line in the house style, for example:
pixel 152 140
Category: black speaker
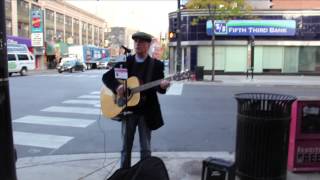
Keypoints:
pixel 217 169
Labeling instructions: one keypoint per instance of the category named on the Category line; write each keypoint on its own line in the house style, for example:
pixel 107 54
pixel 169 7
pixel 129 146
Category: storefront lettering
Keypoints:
pixel 278 30
pixel 308 155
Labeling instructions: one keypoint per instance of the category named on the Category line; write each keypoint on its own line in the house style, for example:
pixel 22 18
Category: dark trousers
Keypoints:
pixel 129 125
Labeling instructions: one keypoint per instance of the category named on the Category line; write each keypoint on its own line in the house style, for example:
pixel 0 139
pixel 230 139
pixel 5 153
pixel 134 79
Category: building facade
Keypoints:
pixel 64 25
pixel 295 4
pixel 117 37
pixel 298 54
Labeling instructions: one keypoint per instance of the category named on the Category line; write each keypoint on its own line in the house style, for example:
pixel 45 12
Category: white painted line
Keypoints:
pixel 55 121
pixel 90 97
pixel 175 89
pixel 80 101
pixel 40 140
pixel 95 92
pixel 74 110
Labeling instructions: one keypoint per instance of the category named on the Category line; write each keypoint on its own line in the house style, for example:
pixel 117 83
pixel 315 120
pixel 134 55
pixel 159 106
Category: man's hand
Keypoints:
pixel 164 84
pixel 120 90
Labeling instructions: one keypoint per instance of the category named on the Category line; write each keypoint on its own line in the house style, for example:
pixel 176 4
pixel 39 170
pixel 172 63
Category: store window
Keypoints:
pixel 84 33
pixel 68 28
pixel 49 25
pixel 101 40
pixel 90 34
pixel 96 36
pixel 60 26
pixel 23 18
pixel 75 31
pixel 8 9
pixel 8 27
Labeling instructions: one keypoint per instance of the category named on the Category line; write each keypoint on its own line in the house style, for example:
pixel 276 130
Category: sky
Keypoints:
pixel 150 16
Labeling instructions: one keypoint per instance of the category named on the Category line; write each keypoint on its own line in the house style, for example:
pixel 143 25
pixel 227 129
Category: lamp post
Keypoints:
pixel 7 157
pixel 178 35
pixel 251 43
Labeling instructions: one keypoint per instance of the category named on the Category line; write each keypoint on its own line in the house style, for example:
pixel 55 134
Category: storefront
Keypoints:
pixel 296 54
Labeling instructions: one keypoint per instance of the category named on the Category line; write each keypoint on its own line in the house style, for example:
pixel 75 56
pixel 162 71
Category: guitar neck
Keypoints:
pixel 149 85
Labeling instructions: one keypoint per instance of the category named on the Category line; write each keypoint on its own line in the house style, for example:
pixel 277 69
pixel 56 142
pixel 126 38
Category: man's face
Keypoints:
pixel 141 46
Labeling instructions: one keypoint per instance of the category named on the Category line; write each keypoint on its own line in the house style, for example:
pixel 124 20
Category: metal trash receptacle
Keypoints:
pixel 199 72
pixel 262 135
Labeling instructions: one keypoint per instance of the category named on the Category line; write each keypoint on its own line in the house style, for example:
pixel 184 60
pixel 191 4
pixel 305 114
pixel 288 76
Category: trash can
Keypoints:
pixel 199 72
pixel 262 135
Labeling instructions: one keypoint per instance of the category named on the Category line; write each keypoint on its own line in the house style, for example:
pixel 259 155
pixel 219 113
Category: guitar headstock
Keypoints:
pixel 181 75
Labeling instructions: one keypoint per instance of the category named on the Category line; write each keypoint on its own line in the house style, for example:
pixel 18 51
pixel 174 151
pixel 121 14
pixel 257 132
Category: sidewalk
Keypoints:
pixel 261 80
pixel 180 165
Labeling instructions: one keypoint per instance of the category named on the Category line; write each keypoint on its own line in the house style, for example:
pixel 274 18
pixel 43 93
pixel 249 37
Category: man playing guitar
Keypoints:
pixel 146 115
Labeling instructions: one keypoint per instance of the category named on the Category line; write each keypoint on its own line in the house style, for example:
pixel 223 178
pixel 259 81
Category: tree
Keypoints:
pixel 220 10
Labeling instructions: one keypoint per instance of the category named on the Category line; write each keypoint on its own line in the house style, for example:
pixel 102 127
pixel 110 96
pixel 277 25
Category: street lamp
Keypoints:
pixel 251 43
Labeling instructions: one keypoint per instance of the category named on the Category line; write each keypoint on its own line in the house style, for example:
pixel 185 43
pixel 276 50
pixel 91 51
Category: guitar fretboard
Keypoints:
pixel 150 85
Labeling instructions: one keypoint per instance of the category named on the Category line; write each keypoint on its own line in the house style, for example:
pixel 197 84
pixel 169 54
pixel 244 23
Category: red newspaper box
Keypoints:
pixel 304 143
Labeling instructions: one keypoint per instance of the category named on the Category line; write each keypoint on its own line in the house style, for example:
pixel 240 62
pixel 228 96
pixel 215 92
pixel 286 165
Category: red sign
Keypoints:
pixel 304 144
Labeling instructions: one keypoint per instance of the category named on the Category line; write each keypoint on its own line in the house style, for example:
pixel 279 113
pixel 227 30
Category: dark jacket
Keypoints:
pixel 151 107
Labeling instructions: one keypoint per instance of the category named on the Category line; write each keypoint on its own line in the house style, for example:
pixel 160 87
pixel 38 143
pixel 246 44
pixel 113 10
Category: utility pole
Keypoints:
pixel 178 35
pixel 7 156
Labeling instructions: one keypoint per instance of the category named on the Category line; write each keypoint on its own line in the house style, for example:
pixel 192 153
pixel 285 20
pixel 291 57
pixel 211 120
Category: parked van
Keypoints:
pixel 20 60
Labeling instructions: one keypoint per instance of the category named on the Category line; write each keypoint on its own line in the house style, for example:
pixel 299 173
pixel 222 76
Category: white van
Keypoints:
pixel 20 61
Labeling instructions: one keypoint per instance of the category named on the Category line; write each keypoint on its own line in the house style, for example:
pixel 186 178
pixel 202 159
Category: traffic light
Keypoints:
pixel 172 35
pixel 175 24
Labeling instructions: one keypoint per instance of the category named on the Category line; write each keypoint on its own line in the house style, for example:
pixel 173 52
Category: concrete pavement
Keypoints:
pixel 180 165
pixel 261 80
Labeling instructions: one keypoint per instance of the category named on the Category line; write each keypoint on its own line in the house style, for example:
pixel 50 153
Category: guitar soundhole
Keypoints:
pixel 122 101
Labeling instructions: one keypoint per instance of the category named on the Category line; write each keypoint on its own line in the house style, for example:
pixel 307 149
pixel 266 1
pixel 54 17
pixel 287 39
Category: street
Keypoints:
pixel 55 114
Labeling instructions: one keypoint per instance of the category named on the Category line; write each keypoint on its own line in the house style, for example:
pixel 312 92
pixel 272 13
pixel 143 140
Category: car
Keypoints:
pixel 20 60
pixel 70 64
pixel 103 63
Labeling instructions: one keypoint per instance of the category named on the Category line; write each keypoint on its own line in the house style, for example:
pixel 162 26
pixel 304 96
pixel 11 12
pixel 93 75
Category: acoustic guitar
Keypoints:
pixel 112 105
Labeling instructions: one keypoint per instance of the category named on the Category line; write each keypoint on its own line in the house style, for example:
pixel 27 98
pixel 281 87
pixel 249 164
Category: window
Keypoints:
pixel 11 57
pixel 22 57
pixel 23 18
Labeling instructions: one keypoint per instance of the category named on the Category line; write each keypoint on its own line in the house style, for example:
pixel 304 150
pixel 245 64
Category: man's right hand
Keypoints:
pixel 120 90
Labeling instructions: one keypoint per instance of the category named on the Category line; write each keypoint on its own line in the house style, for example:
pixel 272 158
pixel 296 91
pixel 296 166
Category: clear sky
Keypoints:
pixel 145 15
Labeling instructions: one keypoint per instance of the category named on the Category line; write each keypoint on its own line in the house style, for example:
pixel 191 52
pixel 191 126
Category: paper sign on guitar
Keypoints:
pixel 121 73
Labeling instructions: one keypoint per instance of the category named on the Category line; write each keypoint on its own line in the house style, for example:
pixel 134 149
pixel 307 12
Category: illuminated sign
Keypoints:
pixel 252 28
pixel 36 28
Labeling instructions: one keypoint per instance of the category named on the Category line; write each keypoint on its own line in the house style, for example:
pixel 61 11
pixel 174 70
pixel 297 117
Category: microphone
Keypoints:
pixel 126 50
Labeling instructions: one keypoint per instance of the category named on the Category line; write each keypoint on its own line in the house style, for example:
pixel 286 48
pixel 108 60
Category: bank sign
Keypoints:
pixel 252 28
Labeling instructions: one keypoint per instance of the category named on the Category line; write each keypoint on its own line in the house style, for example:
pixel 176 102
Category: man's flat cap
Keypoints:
pixel 142 36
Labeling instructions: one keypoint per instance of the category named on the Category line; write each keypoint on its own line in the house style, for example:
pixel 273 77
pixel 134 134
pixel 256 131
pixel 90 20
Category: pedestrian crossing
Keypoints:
pixel 62 116
pixel 71 75
pixel 54 121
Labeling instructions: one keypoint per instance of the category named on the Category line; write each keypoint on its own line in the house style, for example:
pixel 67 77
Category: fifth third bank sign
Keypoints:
pixel 252 28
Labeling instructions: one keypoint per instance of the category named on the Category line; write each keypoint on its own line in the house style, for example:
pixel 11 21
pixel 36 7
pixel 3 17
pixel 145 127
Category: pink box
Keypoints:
pixel 304 140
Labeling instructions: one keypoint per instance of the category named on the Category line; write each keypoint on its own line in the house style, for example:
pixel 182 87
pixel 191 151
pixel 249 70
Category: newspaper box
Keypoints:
pixel 304 144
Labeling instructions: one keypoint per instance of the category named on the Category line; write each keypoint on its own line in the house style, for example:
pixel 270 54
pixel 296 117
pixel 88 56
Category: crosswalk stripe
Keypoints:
pixel 95 92
pixel 80 101
pixel 75 110
pixel 175 89
pixel 89 97
pixel 40 140
pixel 56 121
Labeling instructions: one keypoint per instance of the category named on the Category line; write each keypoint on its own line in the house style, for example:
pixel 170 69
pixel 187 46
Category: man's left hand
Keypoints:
pixel 164 84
